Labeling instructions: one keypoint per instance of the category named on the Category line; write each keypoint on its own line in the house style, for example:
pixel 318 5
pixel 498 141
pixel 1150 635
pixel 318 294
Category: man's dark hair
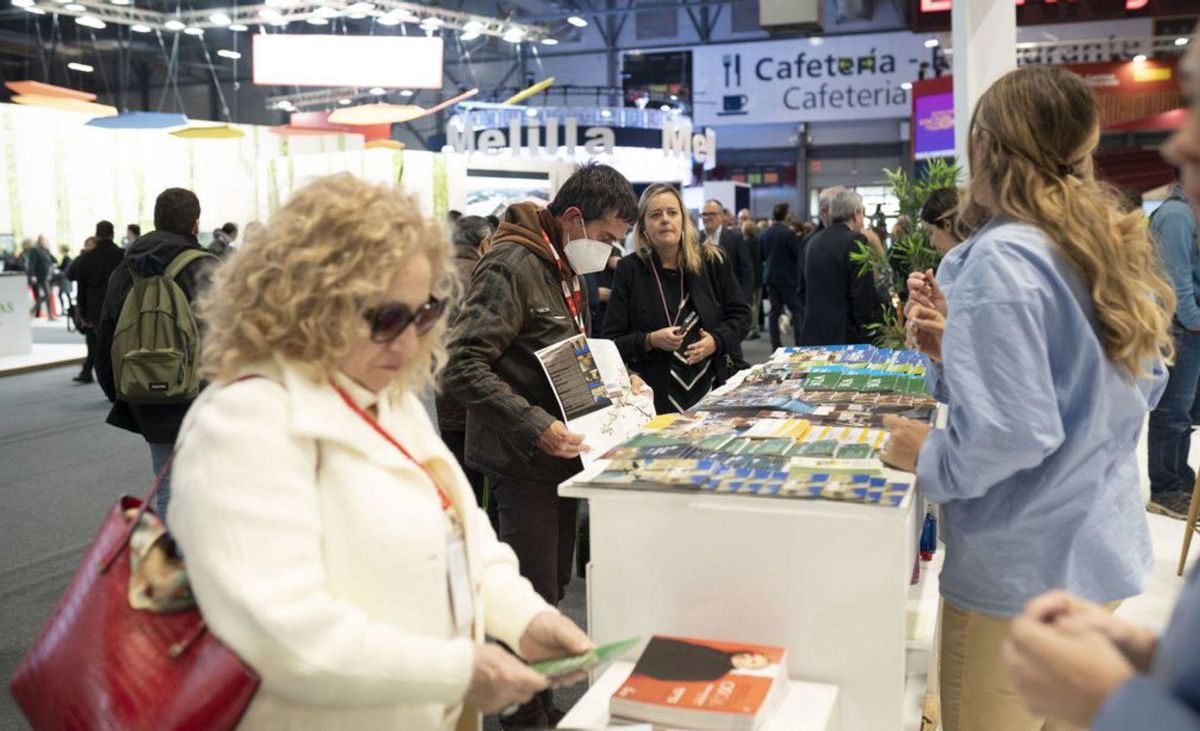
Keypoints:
pixel 940 204
pixel 104 230
pixel 177 210
pixel 452 216
pixel 134 229
pixel 494 220
pixel 599 191
pixel 229 229
pixel 779 212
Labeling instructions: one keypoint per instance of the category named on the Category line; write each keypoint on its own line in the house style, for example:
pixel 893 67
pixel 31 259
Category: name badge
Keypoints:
pixel 462 603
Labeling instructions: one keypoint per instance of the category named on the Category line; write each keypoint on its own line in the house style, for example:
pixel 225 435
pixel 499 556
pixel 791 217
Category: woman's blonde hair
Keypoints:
pixel 1032 137
pixel 692 253
pixel 298 288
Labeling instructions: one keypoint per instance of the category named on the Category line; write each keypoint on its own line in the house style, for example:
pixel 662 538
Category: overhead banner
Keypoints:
pixel 809 79
pixel 313 59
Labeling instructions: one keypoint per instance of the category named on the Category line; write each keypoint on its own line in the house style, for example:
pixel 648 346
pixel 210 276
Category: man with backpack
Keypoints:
pixel 148 337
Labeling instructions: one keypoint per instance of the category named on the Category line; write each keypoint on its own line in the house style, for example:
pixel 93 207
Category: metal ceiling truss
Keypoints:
pixel 277 12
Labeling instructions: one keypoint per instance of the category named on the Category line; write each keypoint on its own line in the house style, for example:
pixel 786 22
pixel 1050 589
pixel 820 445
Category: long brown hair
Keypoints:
pixel 1032 137
pixel 692 253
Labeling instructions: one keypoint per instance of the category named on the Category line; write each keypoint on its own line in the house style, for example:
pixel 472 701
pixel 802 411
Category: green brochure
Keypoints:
pixel 586 661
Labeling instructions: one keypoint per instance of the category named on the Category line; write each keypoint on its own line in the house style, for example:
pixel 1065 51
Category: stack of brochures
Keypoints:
pixel 807 424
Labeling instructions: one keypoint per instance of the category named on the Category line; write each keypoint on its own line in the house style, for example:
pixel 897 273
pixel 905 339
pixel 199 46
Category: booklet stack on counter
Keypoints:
pixel 807 424
pixel 689 683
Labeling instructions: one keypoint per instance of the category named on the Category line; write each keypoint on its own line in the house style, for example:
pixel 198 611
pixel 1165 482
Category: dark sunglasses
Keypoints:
pixel 390 321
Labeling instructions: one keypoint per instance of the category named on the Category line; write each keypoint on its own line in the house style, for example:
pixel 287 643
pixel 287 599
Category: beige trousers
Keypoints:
pixel 977 693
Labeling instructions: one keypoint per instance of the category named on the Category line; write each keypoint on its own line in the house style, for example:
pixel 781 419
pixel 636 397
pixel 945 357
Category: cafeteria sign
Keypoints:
pixel 810 79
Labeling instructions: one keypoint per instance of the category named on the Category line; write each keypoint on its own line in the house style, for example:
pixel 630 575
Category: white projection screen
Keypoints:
pixel 392 62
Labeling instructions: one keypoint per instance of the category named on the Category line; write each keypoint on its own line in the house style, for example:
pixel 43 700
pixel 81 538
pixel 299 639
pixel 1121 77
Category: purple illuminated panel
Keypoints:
pixel 933 126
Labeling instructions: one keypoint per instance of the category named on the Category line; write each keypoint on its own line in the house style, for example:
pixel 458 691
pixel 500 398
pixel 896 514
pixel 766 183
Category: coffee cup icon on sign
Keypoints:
pixel 732 104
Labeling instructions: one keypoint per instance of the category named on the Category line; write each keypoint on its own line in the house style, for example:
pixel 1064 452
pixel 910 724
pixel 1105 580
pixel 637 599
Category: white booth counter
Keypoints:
pixel 827 580
pixel 16 325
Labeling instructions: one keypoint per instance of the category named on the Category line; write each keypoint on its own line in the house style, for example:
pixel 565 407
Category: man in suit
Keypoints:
pixel 92 270
pixel 728 238
pixel 839 304
pixel 781 250
pixel 823 223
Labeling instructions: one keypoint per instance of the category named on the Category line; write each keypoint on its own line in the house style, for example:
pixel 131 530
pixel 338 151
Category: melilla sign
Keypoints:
pixel 554 136
pixel 810 79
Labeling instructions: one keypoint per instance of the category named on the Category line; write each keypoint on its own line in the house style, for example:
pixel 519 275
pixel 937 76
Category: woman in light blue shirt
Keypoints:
pixel 1053 350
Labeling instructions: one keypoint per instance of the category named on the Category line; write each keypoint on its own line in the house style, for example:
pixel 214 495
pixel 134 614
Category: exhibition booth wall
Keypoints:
pixel 58 176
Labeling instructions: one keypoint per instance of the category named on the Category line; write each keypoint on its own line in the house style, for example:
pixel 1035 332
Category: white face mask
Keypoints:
pixel 587 256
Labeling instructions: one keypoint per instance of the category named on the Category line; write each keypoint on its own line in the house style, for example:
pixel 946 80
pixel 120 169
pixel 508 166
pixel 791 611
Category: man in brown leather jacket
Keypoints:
pixel 524 296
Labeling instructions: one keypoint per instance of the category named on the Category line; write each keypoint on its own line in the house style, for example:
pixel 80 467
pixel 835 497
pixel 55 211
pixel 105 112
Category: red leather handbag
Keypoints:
pixel 101 664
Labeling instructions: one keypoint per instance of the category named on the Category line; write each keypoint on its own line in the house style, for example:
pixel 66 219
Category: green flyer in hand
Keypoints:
pixel 588 660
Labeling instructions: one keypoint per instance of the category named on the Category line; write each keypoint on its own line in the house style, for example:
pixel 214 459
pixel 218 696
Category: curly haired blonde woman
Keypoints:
pixel 332 540
pixel 1055 338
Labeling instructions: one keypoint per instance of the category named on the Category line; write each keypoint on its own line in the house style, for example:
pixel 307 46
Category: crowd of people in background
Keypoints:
pixel 323 329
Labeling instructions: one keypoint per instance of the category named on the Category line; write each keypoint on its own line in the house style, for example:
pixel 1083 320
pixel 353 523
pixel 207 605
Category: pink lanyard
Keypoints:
pixel 662 294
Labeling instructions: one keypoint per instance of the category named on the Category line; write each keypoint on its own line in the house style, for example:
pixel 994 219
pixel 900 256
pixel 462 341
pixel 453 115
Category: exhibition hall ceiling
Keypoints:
pixel 38 36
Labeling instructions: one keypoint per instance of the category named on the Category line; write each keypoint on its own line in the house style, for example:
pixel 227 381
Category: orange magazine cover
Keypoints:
pixel 688 674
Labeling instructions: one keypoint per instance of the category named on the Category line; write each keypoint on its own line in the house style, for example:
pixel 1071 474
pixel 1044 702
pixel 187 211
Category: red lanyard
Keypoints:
pixel 663 295
pixel 383 433
pixel 570 294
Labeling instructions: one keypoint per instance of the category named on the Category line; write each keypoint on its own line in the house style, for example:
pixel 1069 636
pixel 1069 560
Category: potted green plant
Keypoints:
pixel 912 251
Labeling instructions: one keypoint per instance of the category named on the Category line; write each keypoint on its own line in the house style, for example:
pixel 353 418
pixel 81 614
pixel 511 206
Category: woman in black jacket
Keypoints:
pixel 672 279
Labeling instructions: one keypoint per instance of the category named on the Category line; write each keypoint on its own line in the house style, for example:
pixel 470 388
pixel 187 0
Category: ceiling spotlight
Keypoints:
pixel 665 107
pixel 175 25
pixel 35 10
pixel 90 21
pixel 81 67
pixel 472 25
pixel 549 41
pixel 285 105
pixel 932 43
pixel 194 31
pixel 140 28
pixel 378 90
pixel 406 92
pixel 22 3
pixel 74 7
pixel 514 35
pixel 360 8
pixel 1140 58
pixel 219 18
pixel 432 21
pixel 396 17
pixel 469 35
pixel 345 102
pixel 906 85
pixel 272 16
pixel 122 2
pixel 606 113
pixel 1178 41
pixel 674 97
pixel 324 11
pixel 577 21
pixel 531 112
pixel 314 20
pixel 239 27
pixel 229 54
